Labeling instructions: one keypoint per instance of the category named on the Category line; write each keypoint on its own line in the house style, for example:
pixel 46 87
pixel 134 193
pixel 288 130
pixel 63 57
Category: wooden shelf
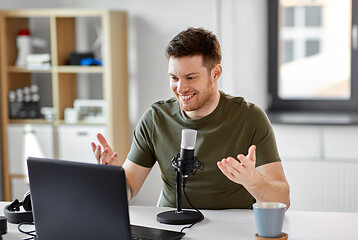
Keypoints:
pixel 60 69
pixel 56 122
pixel 60 81
pixel 58 13
pixel 14 69
pixel 62 122
pixel 29 121
pixel 79 69
pixel 18 176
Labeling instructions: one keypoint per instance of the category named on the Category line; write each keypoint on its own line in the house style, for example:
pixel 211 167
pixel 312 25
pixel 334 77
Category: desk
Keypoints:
pixel 240 224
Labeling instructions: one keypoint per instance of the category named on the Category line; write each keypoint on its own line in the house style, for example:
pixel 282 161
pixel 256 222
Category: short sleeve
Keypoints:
pixel 141 151
pixel 262 135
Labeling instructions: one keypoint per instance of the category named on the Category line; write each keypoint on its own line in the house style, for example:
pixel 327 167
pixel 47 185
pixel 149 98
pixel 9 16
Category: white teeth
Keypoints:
pixel 186 97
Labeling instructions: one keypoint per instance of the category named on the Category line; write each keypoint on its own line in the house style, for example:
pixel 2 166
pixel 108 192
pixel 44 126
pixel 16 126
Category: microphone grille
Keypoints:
pixel 188 138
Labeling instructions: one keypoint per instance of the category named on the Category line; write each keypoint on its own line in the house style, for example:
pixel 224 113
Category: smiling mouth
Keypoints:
pixel 186 97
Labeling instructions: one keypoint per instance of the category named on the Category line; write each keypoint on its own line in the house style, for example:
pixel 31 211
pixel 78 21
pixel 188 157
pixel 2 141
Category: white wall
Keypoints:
pixel 321 166
pixel 244 45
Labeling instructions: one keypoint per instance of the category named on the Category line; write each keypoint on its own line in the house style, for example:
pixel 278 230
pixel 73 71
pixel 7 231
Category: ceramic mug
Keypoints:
pixel 269 218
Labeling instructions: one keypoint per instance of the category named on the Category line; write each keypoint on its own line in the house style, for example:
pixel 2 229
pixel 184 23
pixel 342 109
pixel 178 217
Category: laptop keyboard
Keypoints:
pixel 146 233
pixel 141 238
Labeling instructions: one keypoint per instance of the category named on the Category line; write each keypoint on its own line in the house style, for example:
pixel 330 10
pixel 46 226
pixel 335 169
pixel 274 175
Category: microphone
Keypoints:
pixel 184 163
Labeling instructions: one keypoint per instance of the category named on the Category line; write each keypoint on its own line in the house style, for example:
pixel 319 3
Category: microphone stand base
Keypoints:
pixel 180 218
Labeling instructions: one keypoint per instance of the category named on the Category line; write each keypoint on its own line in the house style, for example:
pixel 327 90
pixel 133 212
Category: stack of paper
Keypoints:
pixel 38 61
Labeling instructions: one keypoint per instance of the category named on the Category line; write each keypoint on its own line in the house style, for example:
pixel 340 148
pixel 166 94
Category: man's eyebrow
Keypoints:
pixel 193 73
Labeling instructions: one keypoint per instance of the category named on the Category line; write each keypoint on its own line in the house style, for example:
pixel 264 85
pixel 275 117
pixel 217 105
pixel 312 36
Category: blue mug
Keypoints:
pixel 269 218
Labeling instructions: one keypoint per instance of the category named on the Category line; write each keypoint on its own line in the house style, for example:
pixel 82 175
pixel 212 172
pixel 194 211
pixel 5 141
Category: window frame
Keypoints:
pixel 276 104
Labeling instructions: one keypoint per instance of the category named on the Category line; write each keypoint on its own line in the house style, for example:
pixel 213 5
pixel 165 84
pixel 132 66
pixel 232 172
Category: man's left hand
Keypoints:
pixel 241 170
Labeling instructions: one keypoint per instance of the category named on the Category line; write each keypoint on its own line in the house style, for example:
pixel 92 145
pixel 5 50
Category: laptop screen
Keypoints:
pixel 74 200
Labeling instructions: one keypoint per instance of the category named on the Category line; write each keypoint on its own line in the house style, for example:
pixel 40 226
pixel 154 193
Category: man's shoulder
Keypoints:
pixel 164 107
pixel 165 103
pixel 157 113
pixel 237 101
pixel 240 108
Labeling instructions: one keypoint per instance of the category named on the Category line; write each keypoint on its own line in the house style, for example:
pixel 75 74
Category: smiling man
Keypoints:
pixel 235 139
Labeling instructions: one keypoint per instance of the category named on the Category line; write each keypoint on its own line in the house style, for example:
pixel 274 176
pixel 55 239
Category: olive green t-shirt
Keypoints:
pixel 229 130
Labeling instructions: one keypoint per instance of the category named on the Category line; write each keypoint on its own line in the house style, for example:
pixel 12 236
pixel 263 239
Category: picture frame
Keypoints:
pixel 91 110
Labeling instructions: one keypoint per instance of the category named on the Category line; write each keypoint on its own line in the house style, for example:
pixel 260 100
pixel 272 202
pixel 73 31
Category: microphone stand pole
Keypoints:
pixel 178 194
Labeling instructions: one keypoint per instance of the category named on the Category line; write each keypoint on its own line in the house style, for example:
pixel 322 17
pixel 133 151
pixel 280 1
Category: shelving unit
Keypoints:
pixel 63 78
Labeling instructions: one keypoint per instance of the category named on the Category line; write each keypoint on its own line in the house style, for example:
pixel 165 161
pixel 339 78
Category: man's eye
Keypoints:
pixel 191 78
pixel 173 78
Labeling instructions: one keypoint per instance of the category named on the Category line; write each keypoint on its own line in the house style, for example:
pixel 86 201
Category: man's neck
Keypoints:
pixel 203 112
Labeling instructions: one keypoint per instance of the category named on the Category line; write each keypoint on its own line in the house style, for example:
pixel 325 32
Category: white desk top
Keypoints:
pixel 240 224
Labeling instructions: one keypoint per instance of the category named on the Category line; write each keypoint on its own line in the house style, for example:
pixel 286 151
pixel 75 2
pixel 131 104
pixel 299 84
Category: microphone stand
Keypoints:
pixel 178 193
pixel 179 216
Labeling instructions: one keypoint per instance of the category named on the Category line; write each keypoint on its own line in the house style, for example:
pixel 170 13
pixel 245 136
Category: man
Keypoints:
pixel 235 139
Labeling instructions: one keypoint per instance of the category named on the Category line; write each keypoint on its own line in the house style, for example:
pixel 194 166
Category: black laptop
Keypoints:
pixel 73 200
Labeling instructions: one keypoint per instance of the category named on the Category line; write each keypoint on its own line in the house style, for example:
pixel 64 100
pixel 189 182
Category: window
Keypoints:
pixel 313 53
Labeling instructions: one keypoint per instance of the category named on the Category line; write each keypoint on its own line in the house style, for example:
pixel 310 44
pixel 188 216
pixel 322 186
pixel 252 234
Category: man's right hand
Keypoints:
pixel 107 156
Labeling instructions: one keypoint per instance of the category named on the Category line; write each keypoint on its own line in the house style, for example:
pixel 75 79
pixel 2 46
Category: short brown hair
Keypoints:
pixel 196 41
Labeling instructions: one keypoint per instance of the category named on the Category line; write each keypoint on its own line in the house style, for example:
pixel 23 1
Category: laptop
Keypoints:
pixel 73 200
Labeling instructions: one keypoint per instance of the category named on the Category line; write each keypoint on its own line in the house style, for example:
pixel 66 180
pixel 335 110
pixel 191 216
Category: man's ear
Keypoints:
pixel 216 72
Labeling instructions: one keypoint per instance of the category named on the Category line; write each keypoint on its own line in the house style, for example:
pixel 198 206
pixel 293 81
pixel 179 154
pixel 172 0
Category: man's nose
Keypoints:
pixel 182 86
